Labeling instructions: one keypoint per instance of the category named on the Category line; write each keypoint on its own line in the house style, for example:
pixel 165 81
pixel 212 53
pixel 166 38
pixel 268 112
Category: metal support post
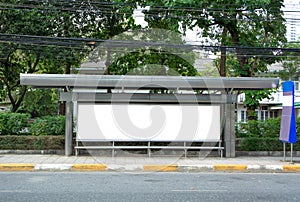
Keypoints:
pixel 284 155
pixel 229 132
pixel 69 129
pixel 292 152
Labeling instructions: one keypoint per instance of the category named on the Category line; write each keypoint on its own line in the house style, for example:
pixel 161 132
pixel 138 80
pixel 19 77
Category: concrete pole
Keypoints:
pixel 69 129
pixel 229 133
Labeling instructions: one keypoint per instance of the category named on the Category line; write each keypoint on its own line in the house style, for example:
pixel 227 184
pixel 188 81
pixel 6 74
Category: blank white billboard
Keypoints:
pixel 147 122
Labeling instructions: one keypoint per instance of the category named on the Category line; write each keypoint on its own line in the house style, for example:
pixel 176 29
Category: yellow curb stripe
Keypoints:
pixel 88 167
pixel 16 167
pixel 291 168
pixel 161 168
pixel 230 167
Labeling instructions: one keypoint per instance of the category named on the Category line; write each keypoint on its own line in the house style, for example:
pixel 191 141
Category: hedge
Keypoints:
pixel 18 123
pixel 27 142
pixel 261 136
pixel 265 129
pixel 13 123
pixel 262 144
pixel 48 125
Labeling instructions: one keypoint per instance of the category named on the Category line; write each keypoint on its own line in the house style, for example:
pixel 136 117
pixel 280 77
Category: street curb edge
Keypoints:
pixel 149 168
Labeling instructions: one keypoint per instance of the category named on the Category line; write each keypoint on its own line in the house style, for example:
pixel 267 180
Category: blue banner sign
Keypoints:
pixel 288 119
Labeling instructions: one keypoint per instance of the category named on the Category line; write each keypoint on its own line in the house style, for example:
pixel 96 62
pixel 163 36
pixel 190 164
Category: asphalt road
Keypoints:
pixel 72 186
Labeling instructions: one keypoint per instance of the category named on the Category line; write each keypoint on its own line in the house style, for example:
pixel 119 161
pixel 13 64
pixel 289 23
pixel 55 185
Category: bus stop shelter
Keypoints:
pixel 140 89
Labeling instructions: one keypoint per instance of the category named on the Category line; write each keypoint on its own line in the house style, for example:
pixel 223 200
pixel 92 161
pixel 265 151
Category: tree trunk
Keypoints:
pixel 222 69
pixel 16 104
pixel 239 52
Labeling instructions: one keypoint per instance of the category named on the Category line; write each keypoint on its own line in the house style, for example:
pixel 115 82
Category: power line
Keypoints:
pixel 86 42
pixel 181 17
pixel 74 5
pixel 108 8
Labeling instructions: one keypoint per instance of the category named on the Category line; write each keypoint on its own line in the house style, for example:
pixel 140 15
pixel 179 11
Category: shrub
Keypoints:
pixel 48 125
pixel 263 144
pixel 262 135
pixel 29 142
pixel 270 128
pixel 13 123
pixel 267 129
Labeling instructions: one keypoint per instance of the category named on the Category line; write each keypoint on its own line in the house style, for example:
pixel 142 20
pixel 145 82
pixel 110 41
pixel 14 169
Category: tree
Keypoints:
pixel 50 36
pixel 23 50
pixel 130 56
pixel 109 20
pixel 250 27
pixel 291 63
pixel 40 102
pixel 145 54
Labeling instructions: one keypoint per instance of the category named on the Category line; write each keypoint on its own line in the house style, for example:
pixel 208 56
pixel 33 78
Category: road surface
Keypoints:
pixel 113 186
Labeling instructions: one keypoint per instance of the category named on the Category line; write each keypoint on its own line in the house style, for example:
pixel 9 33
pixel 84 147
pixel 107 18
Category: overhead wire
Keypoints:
pixel 75 6
pixel 217 6
pixel 79 43
pixel 109 7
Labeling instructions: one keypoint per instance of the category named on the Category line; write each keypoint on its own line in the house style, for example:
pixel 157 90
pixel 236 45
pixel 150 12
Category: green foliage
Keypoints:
pixel 149 59
pixel 17 123
pixel 252 99
pixel 26 142
pixel 40 102
pixel 249 26
pixel 259 144
pixel 291 63
pixel 261 136
pixel 48 125
pixel 13 123
pixel 41 51
pixel 151 62
pixel 258 129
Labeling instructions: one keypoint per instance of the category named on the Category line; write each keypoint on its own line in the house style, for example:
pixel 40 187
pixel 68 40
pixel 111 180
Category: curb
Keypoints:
pixel 291 168
pixel 161 168
pixel 17 167
pixel 149 168
pixel 230 167
pixel 88 167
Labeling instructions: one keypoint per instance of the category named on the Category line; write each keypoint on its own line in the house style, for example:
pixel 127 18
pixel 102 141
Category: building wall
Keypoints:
pixel 269 108
pixel 292 16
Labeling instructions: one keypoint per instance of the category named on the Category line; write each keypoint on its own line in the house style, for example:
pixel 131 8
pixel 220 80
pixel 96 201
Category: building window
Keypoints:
pixel 243 116
pixel 264 115
pixel 296 85
pixel 273 114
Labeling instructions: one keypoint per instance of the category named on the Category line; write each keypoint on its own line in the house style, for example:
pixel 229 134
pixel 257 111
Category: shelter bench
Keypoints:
pixel 148 145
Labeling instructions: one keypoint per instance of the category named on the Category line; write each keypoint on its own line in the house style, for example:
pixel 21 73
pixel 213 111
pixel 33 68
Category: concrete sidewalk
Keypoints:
pixel 26 162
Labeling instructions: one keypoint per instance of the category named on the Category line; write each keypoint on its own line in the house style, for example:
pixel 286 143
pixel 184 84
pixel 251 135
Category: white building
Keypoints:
pixel 292 16
pixel 269 108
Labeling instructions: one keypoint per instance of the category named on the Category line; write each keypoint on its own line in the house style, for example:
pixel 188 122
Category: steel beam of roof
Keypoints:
pixel 148 98
pixel 145 82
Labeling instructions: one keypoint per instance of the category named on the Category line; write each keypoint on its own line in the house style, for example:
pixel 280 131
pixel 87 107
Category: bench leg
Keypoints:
pixel 220 150
pixel 76 150
pixel 185 149
pixel 149 150
pixel 113 150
